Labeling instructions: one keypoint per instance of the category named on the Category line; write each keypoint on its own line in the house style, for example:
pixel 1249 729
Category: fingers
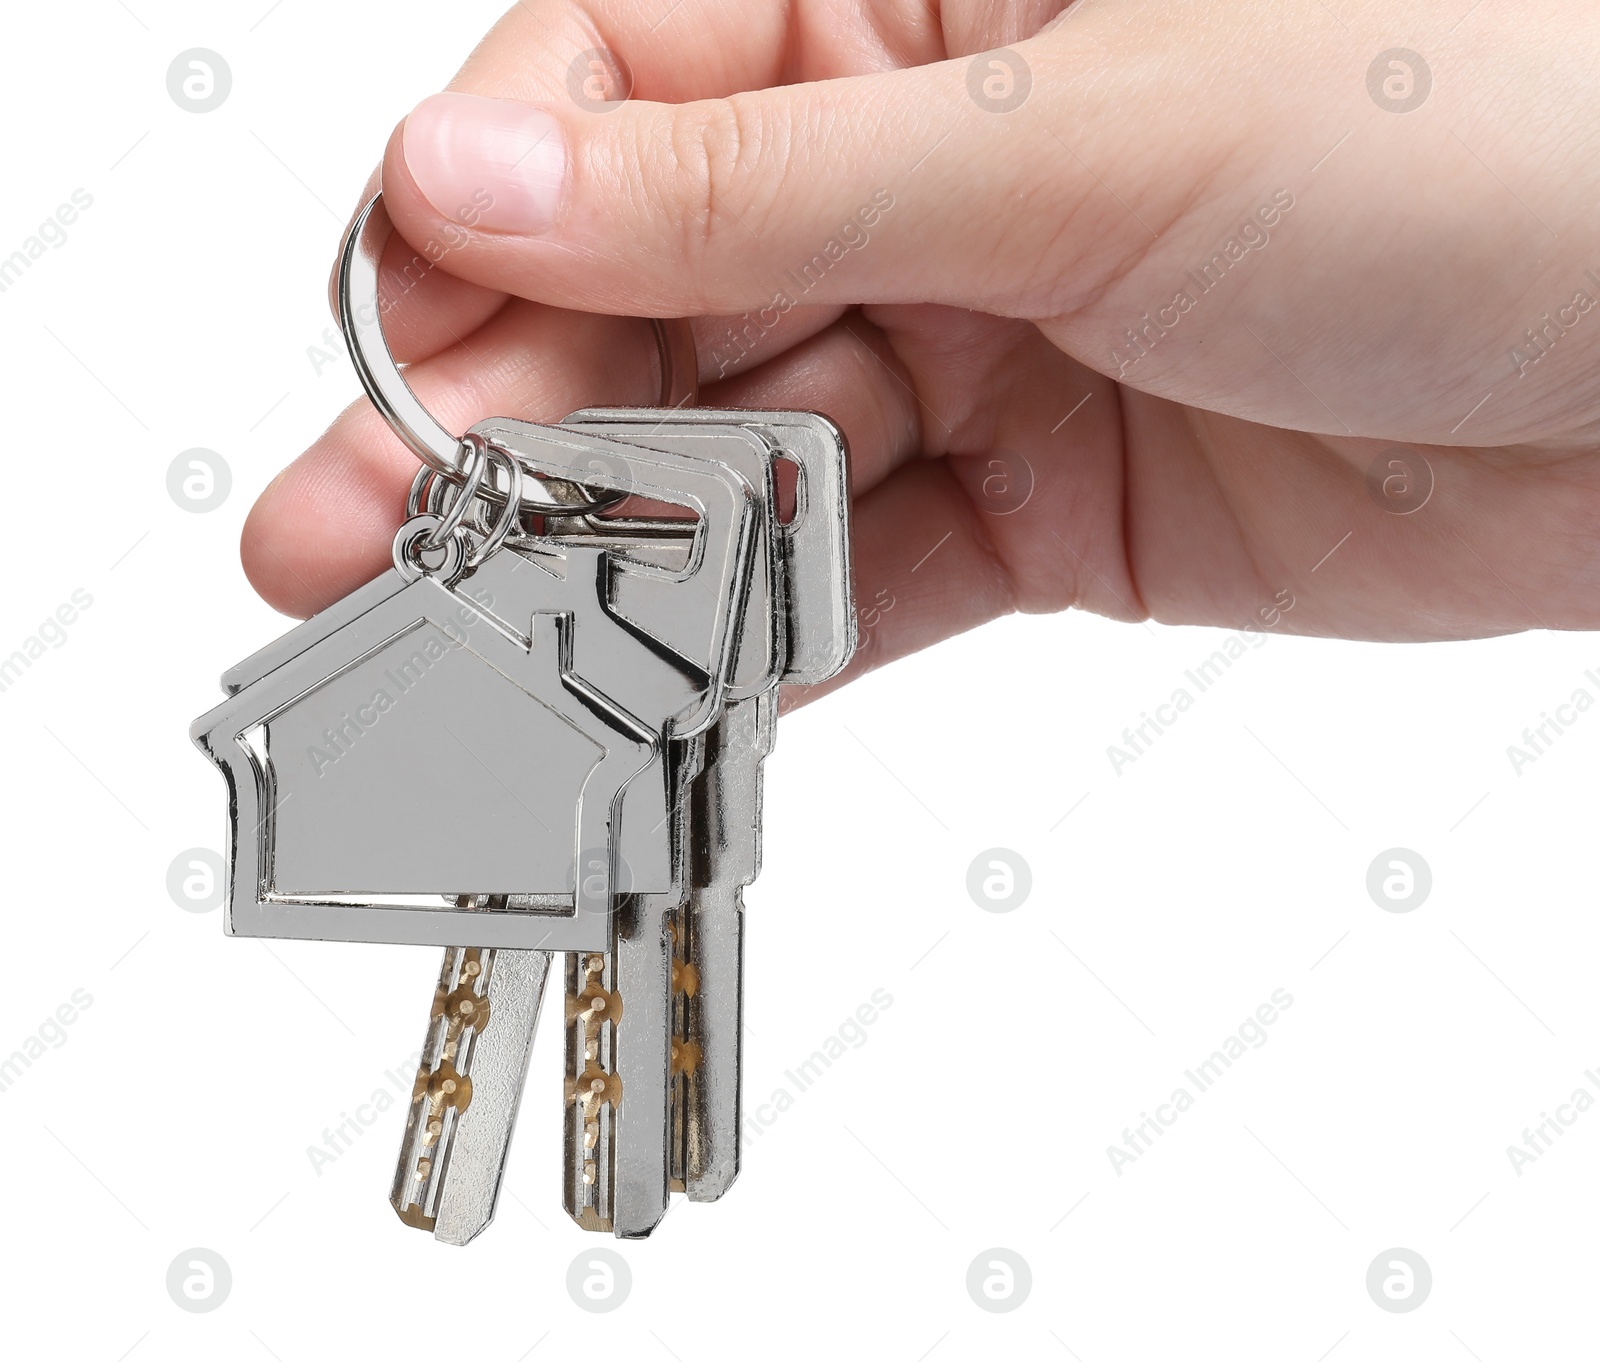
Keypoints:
pixel 325 525
pixel 895 186
pixel 850 373
pixel 1032 439
pixel 924 568
pixel 596 51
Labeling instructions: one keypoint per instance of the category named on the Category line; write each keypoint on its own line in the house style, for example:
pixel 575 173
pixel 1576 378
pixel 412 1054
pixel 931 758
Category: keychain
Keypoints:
pixel 541 730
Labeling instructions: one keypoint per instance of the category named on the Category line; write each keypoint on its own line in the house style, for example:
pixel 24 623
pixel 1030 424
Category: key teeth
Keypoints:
pixel 428 1192
pixel 592 1089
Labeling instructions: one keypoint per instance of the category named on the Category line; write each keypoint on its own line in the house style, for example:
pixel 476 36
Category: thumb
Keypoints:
pixel 941 183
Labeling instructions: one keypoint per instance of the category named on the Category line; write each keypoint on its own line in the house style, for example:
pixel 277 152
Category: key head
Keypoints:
pixel 814 544
pixel 762 653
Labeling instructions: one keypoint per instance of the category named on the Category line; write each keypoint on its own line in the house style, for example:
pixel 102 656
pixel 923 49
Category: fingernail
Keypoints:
pixel 487 163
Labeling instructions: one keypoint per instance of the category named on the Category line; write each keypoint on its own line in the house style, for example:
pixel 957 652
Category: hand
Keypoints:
pixel 1202 323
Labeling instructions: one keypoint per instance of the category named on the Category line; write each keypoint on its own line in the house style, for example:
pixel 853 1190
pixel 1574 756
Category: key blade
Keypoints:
pixel 593 1089
pixel 709 983
pixel 618 1042
pixel 468 1089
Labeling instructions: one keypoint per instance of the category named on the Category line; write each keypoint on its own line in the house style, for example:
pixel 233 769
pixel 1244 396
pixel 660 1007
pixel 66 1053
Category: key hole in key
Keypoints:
pixel 788 479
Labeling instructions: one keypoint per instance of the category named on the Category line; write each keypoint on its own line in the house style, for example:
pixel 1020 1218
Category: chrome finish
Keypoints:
pixel 469 1086
pixel 815 545
pixel 569 757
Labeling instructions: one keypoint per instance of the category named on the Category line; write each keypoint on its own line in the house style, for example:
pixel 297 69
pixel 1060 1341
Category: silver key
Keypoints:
pixel 474 1059
pixel 616 1160
pixel 617 1168
pixel 705 940
pixel 610 690
pixel 726 817
pixel 619 1058
pixel 708 1032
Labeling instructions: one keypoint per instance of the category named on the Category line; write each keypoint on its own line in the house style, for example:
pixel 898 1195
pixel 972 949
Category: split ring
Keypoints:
pixel 359 311
pixel 476 449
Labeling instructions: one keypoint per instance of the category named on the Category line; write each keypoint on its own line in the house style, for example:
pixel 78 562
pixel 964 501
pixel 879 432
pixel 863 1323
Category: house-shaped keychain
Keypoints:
pixel 431 742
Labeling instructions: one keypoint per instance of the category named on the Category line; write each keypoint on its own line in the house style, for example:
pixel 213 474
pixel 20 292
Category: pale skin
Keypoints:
pixel 1222 459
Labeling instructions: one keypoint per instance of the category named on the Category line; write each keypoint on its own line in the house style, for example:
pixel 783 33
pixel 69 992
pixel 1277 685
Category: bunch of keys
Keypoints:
pixel 540 734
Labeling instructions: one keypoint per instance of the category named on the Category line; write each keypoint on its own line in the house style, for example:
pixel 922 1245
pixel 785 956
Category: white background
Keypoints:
pixel 1228 862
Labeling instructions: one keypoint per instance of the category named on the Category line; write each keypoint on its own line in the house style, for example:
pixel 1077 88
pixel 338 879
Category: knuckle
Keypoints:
pixel 719 148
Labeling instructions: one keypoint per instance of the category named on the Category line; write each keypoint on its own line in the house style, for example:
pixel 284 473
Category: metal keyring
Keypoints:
pixel 426 498
pixel 359 311
pixel 477 452
pixel 511 513
pixel 407 552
